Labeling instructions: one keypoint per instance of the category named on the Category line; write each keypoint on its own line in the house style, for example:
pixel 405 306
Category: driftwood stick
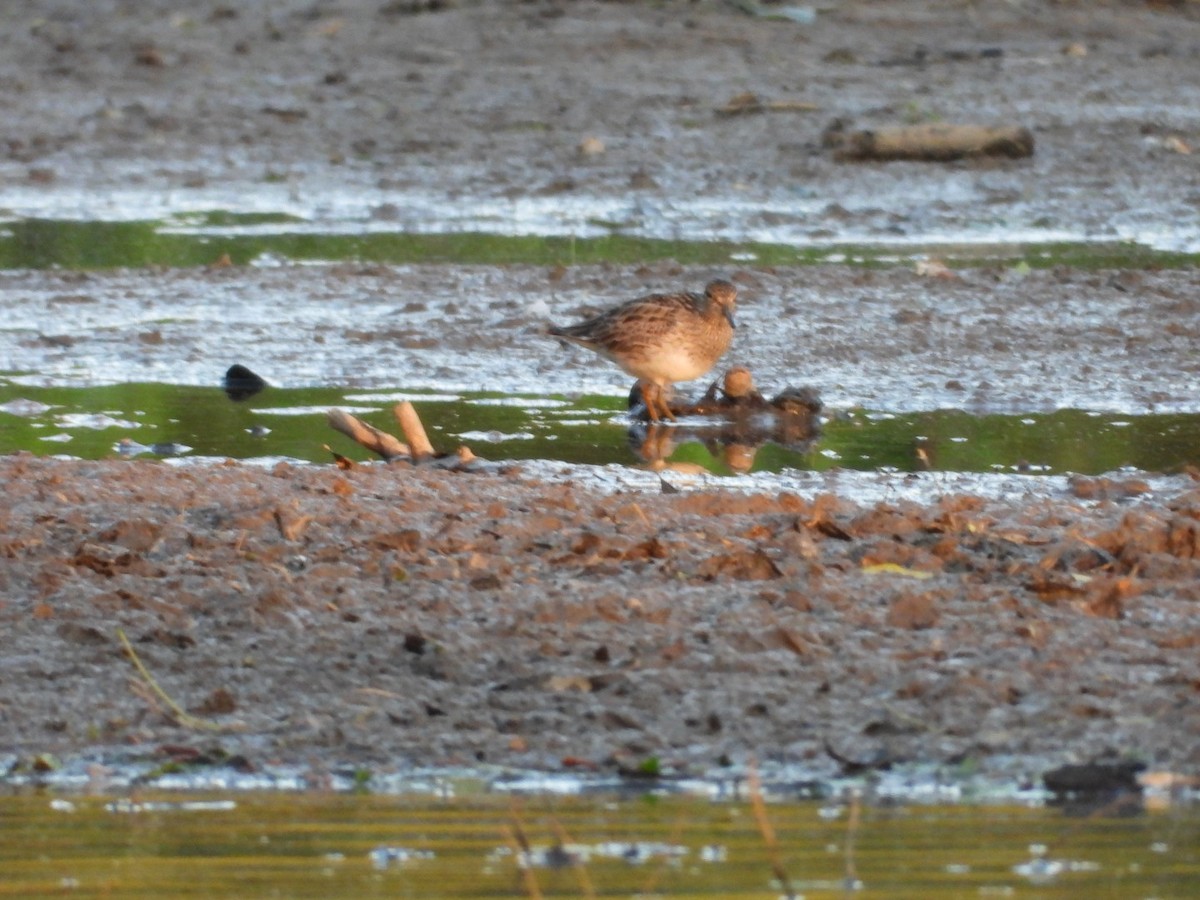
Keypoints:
pixel 414 431
pixel 931 143
pixel 369 436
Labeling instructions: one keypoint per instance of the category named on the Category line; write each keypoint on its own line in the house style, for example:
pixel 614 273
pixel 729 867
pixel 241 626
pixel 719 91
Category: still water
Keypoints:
pixel 175 420
pixel 201 238
pixel 360 845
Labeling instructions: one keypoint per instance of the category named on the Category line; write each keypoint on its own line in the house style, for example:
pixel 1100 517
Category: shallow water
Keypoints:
pixel 322 845
pixel 180 421
pixel 203 238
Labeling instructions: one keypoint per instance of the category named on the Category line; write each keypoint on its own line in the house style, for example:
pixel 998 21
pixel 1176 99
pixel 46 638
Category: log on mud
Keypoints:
pixel 929 143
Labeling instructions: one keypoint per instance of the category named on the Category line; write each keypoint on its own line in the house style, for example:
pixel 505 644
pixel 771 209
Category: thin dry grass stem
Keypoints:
pixel 528 878
pixel 767 830
pixel 851 838
pixel 673 840
pixel 642 515
pixel 182 716
pixel 580 867
pixel 515 833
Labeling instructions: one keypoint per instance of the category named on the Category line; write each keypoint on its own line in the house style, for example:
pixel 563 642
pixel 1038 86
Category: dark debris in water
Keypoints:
pixel 241 383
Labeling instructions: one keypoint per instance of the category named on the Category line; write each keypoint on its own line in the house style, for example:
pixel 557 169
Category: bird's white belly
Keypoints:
pixel 667 365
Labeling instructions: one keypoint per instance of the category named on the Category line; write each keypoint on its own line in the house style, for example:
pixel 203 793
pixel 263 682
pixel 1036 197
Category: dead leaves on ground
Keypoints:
pixel 744 565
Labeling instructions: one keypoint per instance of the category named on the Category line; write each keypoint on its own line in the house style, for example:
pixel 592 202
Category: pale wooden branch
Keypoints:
pixel 380 442
pixel 414 431
pixel 938 142
pixel 418 449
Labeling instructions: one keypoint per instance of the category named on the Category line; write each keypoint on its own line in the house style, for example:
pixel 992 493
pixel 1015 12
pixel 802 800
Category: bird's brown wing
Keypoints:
pixel 635 322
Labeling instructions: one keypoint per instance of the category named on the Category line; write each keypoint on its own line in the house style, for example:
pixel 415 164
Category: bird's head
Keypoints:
pixel 723 296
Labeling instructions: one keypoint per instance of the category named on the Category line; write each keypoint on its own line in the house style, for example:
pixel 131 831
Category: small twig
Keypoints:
pixel 641 515
pixel 527 875
pixel 748 102
pixel 183 717
pixel 651 885
pixel 520 845
pixel 768 832
pixel 851 837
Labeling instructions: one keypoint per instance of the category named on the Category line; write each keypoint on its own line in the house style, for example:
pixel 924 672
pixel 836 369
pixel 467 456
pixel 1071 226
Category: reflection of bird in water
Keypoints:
pixel 739 421
pixel 661 338
pixel 739 457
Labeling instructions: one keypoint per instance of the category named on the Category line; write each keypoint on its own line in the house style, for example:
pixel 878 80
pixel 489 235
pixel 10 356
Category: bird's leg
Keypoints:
pixel 661 398
pixel 647 389
pixel 666 409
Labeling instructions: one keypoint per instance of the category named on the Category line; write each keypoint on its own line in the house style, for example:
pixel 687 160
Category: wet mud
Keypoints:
pixel 389 616
pixel 578 117
pixel 988 340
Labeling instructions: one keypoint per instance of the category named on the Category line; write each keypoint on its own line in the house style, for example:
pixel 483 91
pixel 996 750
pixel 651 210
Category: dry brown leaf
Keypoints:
pixel 1107 488
pixel 1177 145
pixel 1107 597
pixel 746 565
pixel 821 518
pixel 407 540
pixel 652 548
pixel 290 526
pixel 1051 588
pixel 793 641
pixel 150 56
pixel 935 268
pixel 342 462
pixel 561 684
pixel 219 703
pixel 913 611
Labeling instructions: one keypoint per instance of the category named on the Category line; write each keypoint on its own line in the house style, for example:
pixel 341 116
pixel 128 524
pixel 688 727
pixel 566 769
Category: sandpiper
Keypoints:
pixel 661 338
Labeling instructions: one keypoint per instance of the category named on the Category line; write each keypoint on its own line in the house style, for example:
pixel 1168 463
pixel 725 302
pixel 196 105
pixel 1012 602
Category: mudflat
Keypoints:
pixel 389 615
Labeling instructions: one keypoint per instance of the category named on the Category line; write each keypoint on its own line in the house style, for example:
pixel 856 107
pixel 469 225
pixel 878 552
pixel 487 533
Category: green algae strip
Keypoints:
pixel 252 845
pixel 90 423
pixel 65 244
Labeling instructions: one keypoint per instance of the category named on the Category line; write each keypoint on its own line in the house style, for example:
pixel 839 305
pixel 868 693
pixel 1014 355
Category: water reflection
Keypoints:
pixel 731 421
pixel 785 433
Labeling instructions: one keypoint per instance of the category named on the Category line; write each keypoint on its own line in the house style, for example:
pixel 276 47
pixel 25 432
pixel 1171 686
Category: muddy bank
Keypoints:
pixel 986 340
pixel 574 118
pixel 386 616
